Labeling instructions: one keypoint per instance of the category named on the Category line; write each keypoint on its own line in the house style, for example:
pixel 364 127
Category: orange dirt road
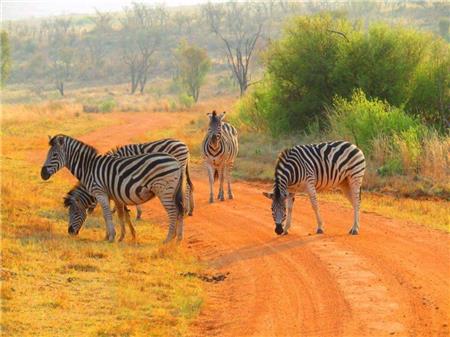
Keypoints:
pixel 391 280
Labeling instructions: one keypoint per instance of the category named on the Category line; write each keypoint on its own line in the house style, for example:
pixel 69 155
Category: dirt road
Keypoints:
pixel 391 280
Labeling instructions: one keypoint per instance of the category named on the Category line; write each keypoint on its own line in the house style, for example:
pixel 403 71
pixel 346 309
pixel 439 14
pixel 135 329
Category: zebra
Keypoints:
pixel 219 150
pixel 79 201
pixel 175 148
pixel 128 181
pixel 313 168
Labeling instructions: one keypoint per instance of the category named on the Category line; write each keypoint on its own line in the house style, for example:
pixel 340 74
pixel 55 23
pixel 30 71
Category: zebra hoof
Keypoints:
pixel 230 196
pixel 319 231
pixel 353 231
pixel 190 213
pixel 111 238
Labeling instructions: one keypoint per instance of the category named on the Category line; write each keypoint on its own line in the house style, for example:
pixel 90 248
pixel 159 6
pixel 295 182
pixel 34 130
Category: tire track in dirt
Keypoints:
pixel 393 279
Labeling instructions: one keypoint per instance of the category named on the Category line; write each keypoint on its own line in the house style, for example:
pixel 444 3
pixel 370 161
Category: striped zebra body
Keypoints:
pixel 175 148
pixel 78 210
pixel 219 151
pixel 313 168
pixel 128 181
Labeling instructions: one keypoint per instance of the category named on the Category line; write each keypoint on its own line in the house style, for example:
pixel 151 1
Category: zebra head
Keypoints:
pixel 56 158
pixel 278 208
pixel 77 212
pixel 215 126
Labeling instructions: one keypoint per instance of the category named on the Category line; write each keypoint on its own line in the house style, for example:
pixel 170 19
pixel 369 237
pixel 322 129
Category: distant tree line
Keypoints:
pixel 143 41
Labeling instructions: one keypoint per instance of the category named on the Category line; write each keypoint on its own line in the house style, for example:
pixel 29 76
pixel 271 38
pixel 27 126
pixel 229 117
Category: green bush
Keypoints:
pixel 362 120
pixel 320 57
pixel 107 105
pixel 185 100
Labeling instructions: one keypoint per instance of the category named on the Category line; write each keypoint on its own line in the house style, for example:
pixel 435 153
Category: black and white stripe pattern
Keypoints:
pixel 128 181
pixel 79 201
pixel 219 150
pixel 175 148
pixel 313 168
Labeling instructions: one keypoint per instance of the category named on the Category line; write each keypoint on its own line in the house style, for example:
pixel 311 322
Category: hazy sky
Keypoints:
pixel 21 9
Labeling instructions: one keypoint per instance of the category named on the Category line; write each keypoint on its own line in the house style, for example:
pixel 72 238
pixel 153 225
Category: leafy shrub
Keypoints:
pixel 320 57
pixel 107 105
pixel 186 101
pixel 362 120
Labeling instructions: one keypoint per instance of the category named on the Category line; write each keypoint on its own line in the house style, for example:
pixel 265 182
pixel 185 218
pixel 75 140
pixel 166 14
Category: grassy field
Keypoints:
pixel 55 285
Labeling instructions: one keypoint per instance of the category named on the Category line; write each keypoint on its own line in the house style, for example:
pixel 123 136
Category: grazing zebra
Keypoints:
pixel 128 181
pixel 219 150
pixel 313 168
pixel 80 202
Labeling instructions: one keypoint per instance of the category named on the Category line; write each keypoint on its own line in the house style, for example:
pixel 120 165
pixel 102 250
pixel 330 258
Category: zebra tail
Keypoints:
pixel 216 174
pixel 188 178
pixel 179 195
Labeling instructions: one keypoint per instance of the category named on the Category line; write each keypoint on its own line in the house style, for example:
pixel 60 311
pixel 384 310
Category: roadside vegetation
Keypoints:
pixel 385 89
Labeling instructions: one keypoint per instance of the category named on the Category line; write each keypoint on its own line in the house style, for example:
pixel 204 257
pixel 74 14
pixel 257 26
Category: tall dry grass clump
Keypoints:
pixel 435 158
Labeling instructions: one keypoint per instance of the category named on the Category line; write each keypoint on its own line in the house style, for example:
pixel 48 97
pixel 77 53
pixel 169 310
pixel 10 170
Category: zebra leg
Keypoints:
pixel 180 228
pixel 211 182
pixel 355 196
pixel 221 179
pixel 138 212
pixel 290 204
pixel 121 213
pixel 190 195
pixel 103 200
pixel 311 190
pixel 130 224
pixel 168 202
pixel 228 170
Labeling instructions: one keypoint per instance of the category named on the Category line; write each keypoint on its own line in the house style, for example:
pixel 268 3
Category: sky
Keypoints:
pixel 23 9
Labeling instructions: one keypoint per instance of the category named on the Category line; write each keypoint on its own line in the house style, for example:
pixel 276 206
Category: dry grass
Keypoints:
pixel 431 213
pixel 54 285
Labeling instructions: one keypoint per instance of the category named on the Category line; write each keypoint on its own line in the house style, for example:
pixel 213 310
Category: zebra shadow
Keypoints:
pixel 272 247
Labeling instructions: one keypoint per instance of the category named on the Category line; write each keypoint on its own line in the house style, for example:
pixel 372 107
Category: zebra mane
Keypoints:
pixel 283 154
pixel 114 150
pixel 52 142
pixel 68 198
pixel 276 188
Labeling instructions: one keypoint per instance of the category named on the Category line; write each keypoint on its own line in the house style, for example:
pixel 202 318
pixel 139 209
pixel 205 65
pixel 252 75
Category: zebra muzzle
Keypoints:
pixel 279 229
pixel 44 173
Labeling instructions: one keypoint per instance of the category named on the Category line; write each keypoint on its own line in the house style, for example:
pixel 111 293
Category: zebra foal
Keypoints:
pixel 313 168
pixel 128 181
pixel 219 150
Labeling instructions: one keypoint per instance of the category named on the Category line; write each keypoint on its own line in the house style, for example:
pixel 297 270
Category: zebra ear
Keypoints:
pixel 209 114
pixel 49 138
pixel 268 195
pixel 223 115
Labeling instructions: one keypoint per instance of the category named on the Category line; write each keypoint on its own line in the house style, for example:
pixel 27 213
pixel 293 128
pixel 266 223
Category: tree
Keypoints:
pixel 97 42
pixel 5 57
pixel 61 40
pixel 239 26
pixel 193 65
pixel 141 35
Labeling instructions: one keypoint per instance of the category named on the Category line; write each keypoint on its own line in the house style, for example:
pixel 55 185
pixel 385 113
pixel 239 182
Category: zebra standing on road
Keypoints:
pixel 128 181
pixel 80 202
pixel 313 168
pixel 219 150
